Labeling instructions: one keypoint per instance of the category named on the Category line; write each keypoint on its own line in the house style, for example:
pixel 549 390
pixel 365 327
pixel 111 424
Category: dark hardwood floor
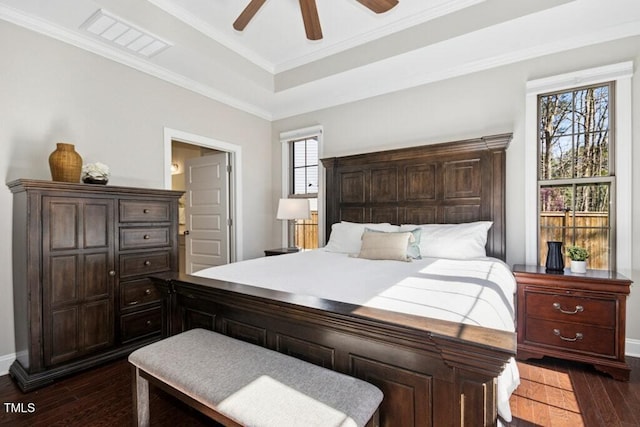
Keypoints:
pixel 552 393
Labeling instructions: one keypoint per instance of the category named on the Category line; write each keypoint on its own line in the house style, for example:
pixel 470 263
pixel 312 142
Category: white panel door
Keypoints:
pixel 206 212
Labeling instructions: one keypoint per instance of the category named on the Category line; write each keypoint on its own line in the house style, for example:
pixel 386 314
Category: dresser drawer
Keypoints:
pixel 144 211
pixel 135 293
pixel 136 238
pixel 587 339
pixel 569 308
pixel 140 324
pixel 144 263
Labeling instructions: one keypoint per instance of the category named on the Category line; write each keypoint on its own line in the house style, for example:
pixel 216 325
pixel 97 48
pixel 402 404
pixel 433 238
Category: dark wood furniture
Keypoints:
pixel 280 251
pixel 573 316
pixel 81 257
pixel 432 372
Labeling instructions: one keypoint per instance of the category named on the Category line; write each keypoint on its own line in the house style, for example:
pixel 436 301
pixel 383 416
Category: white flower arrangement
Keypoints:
pixel 95 170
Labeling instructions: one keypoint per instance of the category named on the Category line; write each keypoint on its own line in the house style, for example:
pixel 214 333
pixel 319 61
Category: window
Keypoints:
pixel 576 177
pixel 301 179
pixel 577 152
pixel 304 183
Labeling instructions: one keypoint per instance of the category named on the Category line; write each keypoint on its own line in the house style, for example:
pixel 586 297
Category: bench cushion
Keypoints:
pixel 257 386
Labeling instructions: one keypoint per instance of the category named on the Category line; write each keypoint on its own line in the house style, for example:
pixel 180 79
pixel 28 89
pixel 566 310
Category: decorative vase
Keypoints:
pixel 65 163
pixel 579 267
pixel 555 260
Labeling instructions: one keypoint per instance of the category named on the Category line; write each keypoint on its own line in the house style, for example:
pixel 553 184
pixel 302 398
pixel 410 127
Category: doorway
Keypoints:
pixel 179 148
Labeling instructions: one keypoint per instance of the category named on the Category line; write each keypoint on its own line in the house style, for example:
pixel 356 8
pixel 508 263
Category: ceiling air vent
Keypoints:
pixel 119 33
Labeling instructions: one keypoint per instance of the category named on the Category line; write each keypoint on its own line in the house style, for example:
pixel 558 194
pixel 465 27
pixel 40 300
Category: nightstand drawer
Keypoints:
pixel 600 312
pixel 144 211
pixel 136 293
pixel 144 263
pixel 136 238
pixel 571 336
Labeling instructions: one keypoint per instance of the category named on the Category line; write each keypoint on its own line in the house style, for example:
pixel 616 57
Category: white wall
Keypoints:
pixel 479 104
pixel 52 92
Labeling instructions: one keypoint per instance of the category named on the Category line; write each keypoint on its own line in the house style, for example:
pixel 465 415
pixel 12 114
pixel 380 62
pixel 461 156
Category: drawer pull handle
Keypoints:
pixel 146 237
pixel 147 263
pixel 147 291
pixel 148 322
pixel 112 273
pixel 133 302
pixel 578 336
pixel 578 309
pixel 145 211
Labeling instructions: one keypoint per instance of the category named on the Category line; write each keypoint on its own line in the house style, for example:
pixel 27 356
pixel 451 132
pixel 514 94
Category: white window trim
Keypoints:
pixel 621 73
pixel 285 139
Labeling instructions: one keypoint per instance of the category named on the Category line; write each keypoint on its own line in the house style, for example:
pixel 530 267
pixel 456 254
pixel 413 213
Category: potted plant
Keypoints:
pixel 578 256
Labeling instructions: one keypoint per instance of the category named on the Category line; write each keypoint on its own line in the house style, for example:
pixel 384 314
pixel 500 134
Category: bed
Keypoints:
pixel 436 365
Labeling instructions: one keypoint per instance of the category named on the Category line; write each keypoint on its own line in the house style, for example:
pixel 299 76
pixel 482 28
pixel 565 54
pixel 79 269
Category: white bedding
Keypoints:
pixel 477 291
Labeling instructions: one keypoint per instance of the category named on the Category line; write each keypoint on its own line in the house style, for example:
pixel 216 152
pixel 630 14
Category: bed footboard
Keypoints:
pixel 432 372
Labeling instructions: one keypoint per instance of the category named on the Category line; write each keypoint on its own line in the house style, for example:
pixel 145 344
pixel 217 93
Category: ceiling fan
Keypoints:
pixel 309 14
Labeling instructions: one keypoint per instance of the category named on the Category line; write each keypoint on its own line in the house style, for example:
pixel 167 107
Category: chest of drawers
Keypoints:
pixel 577 317
pixel 81 257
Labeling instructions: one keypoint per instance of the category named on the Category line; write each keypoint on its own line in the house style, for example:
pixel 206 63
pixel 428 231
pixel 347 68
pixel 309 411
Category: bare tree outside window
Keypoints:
pixel 575 173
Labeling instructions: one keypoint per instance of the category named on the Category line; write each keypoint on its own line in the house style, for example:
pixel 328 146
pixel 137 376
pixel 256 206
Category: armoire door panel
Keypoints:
pixel 97 330
pixel 64 343
pixel 61 280
pixel 97 217
pixel 97 282
pixel 63 223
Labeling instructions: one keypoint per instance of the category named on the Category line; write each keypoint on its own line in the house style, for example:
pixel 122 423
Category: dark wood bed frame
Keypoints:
pixel 432 372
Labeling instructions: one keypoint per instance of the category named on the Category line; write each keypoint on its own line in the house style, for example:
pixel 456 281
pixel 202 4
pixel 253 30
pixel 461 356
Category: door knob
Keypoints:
pixel 186 232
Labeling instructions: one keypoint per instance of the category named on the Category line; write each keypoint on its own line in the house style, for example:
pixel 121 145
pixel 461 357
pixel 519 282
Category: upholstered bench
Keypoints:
pixel 241 384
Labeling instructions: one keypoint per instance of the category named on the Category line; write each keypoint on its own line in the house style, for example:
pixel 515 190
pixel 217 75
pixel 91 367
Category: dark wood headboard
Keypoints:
pixel 452 182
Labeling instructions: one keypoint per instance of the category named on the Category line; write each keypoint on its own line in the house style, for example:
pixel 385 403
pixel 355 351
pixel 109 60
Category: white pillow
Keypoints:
pixel 456 241
pixel 346 237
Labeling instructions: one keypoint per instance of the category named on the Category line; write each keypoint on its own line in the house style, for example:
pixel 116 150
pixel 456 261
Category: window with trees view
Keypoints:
pixel 304 183
pixel 576 180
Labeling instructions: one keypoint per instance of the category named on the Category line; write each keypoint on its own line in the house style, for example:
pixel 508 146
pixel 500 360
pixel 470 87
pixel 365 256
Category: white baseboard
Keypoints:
pixel 632 348
pixel 5 363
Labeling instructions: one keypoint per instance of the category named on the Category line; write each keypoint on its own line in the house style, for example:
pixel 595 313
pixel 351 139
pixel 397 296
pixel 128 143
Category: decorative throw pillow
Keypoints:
pixel 413 248
pixel 346 237
pixel 389 246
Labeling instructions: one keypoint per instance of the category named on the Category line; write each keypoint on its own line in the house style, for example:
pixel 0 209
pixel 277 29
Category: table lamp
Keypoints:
pixel 291 209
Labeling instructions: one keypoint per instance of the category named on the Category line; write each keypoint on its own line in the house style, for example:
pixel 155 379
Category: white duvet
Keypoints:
pixel 477 292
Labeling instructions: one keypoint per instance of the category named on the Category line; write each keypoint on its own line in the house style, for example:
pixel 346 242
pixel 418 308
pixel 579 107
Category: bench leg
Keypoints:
pixel 140 389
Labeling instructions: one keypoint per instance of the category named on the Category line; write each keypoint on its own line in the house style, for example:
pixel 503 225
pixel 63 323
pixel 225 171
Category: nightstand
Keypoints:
pixel 280 251
pixel 572 316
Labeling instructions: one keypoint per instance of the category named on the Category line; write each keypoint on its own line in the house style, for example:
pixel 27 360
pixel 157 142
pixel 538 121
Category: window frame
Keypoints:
pixel 575 181
pixel 621 99
pixel 286 138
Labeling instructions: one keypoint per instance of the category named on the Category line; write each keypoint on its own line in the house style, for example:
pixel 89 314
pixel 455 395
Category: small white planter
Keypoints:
pixel 579 267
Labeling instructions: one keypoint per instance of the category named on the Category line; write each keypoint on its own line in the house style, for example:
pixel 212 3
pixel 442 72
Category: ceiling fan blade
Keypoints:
pixel 247 14
pixel 379 6
pixel 311 19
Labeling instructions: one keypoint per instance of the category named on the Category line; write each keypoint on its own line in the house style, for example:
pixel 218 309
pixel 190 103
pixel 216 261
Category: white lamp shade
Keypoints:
pixel 293 209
